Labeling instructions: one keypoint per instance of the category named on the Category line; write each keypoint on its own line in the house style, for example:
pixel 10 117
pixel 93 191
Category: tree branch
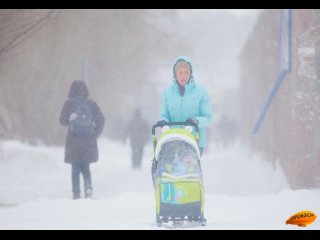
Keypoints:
pixel 22 36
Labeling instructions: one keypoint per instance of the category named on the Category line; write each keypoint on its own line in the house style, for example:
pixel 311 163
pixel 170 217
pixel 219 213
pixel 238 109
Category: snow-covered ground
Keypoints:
pixel 242 191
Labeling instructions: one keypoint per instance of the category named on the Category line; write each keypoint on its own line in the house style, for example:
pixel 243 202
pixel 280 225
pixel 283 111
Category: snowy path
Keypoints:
pixel 136 211
pixel 242 192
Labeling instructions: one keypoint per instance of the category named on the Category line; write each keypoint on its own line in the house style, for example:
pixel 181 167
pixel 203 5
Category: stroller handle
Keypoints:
pixel 173 124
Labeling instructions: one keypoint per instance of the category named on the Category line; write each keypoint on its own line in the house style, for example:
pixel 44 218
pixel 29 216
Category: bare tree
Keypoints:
pixel 43 50
pixel 16 26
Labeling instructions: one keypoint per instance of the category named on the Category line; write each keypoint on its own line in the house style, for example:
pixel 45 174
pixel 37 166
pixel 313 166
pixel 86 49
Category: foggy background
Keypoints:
pixel 126 59
pixel 125 56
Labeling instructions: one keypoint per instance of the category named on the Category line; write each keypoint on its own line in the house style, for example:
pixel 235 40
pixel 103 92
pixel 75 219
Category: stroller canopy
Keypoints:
pixel 177 134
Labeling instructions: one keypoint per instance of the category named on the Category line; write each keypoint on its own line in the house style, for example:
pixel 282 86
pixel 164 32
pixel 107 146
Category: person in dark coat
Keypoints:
pixel 81 146
pixel 3 128
pixel 137 131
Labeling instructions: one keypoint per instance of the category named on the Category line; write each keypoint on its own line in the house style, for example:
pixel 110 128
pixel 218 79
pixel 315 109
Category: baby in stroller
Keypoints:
pixel 184 162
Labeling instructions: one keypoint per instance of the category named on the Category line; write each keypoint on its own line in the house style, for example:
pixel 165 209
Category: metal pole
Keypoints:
pixel 84 67
pixel 285 64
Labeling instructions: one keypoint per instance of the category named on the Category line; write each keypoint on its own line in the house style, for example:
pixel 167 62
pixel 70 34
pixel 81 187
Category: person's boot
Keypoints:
pixel 88 193
pixel 76 196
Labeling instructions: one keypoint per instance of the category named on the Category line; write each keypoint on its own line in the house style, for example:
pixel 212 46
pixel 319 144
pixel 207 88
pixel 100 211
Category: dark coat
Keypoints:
pixel 137 130
pixel 81 148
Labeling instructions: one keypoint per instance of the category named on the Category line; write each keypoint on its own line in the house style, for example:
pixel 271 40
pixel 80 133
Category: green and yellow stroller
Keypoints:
pixel 176 174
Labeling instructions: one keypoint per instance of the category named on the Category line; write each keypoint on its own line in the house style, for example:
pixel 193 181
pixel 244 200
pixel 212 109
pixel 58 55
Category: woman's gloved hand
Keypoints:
pixel 162 123
pixel 192 120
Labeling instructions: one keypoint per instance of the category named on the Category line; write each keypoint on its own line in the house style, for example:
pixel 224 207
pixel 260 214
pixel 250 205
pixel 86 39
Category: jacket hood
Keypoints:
pixel 191 82
pixel 78 89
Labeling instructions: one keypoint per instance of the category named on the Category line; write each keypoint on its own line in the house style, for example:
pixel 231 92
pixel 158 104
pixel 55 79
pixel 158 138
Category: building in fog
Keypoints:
pixel 283 51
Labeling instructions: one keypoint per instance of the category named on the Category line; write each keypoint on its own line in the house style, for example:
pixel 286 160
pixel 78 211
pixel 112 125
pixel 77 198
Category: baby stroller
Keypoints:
pixel 176 174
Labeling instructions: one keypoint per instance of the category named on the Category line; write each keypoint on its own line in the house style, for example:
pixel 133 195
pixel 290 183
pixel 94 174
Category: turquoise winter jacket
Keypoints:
pixel 194 103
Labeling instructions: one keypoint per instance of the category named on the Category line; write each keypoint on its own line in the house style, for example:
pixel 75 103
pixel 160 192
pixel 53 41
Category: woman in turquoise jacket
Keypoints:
pixel 185 100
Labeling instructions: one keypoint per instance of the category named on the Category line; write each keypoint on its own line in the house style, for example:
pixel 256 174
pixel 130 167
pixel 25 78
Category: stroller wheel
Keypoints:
pixel 158 220
pixel 193 218
pixel 203 222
